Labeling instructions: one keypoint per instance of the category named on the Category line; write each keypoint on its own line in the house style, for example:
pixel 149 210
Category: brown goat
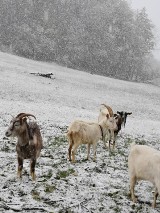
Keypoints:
pixel 29 143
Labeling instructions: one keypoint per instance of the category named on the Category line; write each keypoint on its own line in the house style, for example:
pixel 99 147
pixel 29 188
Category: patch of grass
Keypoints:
pixel 113 194
pixel 101 208
pixel 83 148
pixel 66 210
pixel 5 148
pixel 112 153
pixel 49 188
pixel 117 209
pixel 97 170
pixel 57 141
pixel 139 141
pixel 21 193
pixel 121 152
pixel 63 129
pixel 36 195
pixel 47 176
pixel 64 173
pixel 128 140
pixel 84 160
pixel 102 165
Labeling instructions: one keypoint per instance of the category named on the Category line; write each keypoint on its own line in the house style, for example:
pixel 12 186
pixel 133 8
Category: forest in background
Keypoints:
pixel 104 37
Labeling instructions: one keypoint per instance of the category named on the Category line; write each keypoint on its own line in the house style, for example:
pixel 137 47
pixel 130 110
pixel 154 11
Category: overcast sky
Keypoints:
pixel 153 11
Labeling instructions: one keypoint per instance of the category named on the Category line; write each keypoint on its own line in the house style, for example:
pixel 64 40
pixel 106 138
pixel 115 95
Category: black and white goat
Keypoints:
pixel 121 118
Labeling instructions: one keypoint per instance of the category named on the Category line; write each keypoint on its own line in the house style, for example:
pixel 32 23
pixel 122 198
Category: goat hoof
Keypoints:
pixel 134 200
pixel 19 175
pixel 153 206
pixel 33 176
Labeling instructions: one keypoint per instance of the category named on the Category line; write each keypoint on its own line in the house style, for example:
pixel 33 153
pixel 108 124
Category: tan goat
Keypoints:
pixel 81 132
pixel 29 143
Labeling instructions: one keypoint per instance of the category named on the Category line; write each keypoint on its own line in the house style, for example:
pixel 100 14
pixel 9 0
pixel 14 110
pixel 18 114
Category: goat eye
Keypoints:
pixel 17 123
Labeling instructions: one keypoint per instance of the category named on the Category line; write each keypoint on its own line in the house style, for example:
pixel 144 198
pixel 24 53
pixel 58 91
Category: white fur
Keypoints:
pixel 109 134
pixel 103 112
pixel 144 164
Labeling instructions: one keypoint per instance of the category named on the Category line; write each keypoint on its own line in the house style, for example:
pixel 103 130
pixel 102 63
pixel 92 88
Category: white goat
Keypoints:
pixel 143 164
pixel 120 117
pixel 104 111
pixel 81 132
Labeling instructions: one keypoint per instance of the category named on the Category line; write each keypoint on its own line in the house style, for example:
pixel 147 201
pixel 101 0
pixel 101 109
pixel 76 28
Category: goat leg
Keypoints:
pixel 155 198
pixel 132 185
pixel 69 152
pixel 20 167
pixel 88 151
pixel 111 138
pixel 94 151
pixel 109 144
pixel 114 138
pixel 32 169
pixel 75 146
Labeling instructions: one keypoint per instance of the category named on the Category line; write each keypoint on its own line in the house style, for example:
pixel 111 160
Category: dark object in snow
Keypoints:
pixel 123 116
pixel 29 142
pixel 48 75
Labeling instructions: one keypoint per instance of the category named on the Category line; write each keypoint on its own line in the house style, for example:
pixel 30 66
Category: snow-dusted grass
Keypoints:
pixel 86 186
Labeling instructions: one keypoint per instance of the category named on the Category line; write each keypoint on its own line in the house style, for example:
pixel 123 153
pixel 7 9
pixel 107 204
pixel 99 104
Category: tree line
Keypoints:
pixel 104 37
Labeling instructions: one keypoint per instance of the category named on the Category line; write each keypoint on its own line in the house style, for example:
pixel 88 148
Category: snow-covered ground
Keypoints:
pixel 100 186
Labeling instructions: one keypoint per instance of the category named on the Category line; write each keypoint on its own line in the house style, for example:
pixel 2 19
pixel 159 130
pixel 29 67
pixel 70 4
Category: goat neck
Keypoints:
pixel 23 138
pixel 104 126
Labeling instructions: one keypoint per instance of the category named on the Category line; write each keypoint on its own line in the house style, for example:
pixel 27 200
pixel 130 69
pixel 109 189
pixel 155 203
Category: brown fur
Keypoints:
pixel 29 143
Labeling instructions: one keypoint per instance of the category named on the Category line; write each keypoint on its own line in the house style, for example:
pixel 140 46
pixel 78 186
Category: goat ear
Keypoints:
pixel 115 116
pixel 129 113
pixel 118 112
pixel 107 116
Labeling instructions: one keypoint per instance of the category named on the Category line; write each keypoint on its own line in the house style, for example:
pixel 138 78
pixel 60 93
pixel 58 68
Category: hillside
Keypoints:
pixel 71 94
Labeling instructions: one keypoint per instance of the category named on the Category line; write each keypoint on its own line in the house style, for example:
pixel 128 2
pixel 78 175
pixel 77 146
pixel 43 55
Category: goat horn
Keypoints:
pixel 21 115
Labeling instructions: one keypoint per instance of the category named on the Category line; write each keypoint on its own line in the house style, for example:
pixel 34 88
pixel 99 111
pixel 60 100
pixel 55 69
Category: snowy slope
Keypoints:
pixel 71 94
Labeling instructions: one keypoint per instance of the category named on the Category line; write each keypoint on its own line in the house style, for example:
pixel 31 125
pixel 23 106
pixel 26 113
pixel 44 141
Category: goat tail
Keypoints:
pixel 70 137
